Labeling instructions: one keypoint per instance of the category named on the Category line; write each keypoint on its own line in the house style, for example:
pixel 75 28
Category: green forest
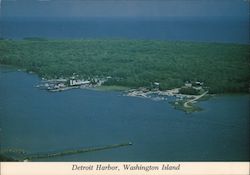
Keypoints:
pixel 224 68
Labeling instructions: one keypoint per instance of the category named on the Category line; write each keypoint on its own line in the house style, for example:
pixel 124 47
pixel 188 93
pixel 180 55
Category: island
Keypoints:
pixel 151 69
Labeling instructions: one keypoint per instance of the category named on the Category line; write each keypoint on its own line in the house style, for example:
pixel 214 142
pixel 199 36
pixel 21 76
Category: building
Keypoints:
pixel 197 83
pixel 78 82
pixel 187 84
pixel 156 84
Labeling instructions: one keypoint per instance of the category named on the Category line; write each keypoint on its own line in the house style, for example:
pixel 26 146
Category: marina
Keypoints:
pixel 181 100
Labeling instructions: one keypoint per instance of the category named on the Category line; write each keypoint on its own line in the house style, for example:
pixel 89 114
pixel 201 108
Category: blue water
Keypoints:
pixel 188 29
pixel 40 121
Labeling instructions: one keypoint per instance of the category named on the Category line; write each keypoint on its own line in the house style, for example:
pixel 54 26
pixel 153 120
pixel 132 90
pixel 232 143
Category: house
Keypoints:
pixel 156 84
pixel 197 83
pixel 187 84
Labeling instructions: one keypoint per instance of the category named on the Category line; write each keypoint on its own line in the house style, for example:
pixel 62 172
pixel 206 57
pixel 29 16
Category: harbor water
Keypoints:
pixel 39 121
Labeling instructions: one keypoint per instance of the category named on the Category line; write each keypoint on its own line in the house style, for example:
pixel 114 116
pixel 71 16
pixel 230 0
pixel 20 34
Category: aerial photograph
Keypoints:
pixel 124 80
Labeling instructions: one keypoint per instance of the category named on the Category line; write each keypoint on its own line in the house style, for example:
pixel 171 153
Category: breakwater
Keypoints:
pixel 75 151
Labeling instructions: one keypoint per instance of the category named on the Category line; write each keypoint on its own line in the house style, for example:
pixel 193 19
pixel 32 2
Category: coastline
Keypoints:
pixel 180 100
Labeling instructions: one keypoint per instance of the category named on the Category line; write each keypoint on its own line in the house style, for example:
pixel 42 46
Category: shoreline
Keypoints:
pixel 180 102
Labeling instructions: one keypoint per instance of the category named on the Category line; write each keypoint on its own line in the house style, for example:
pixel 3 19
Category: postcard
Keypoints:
pixel 124 87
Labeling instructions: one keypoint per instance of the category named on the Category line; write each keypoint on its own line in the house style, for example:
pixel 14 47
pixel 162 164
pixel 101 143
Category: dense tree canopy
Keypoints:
pixel 135 63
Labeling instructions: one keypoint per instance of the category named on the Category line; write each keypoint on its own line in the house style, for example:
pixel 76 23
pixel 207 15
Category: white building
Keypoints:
pixel 199 83
pixel 187 84
pixel 156 84
pixel 78 82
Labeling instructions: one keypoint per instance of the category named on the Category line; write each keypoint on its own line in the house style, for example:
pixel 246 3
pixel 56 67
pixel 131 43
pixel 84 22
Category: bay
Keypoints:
pixel 40 121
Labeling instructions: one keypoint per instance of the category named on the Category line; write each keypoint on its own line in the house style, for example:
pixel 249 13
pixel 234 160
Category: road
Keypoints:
pixel 196 98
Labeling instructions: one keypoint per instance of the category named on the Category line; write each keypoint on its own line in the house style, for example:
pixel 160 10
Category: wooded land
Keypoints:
pixel 224 68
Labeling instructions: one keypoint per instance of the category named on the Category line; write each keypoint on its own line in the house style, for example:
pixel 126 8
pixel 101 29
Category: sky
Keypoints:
pixel 124 8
